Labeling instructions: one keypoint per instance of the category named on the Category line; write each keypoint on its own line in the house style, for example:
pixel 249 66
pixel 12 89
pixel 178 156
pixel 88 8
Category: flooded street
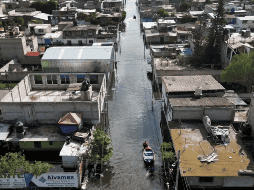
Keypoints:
pixel 131 118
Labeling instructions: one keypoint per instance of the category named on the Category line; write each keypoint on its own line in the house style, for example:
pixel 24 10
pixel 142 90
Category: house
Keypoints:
pixel 39 29
pixel 105 17
pixel 79 35
pixel 114 5
pixel 169 67
pixel 46 97
pixel 16 46
pixel 64 14
pixel 204 164
pixel 197 5
pixel 242 23
pixel 92 59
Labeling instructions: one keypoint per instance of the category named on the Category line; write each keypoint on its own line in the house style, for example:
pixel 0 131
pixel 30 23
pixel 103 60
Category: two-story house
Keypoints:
pixel 80 35
pixel 242 23
pixel 115 5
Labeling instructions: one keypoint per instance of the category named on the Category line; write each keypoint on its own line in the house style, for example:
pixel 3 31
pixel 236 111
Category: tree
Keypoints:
pixel 15 163
pixel 185 19
pixel 213 49
pixel 99 148
pixel 184 7
pixel 123 15
pixel 45 7
pixel 162 12
pixel 167 154
pixel 241 70
pixel 20 21
pixel 199 43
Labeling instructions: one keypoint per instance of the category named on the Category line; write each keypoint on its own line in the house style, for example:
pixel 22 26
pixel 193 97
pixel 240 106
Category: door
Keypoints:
pixel 29 113
pixel 162 40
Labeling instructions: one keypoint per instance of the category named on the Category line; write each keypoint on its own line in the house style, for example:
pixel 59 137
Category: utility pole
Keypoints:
pixel 178 168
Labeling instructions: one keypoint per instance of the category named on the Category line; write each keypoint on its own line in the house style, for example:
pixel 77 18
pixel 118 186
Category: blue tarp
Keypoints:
pixel 68 129
pixel 47 41
pixel 187 51
pixel 147 20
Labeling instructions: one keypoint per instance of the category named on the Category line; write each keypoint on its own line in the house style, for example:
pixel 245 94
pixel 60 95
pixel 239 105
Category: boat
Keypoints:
pixel 148 155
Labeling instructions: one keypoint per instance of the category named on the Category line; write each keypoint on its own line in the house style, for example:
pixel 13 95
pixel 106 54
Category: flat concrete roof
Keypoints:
pixel 42 133
pixel 166 64
pixel 192 142
pixel 77 52
pixel 190 83
pixel 52 96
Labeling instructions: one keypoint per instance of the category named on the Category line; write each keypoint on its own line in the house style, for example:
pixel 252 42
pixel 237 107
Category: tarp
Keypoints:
pixel 47 41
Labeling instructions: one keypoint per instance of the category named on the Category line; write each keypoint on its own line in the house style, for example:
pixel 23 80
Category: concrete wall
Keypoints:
pixel 14 47
pixel 251 113
pixel 29 145
pixel 194 182
pixel 196 113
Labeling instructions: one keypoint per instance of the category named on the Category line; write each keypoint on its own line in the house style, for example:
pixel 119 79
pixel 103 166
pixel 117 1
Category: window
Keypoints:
pixel 38 79
pixel 51 79
pixel 90 41
pixel 79 33
pixel 80 78
pixel 80 42
pixel 37 144
pixel 244 21
pixel 206 179
pixel 50 142
pixel 65 79
pixel 40 30
pixel 94 79
pixel 90 32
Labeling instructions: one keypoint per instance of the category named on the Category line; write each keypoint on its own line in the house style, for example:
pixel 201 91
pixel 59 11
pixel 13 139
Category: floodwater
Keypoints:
pixel 131 118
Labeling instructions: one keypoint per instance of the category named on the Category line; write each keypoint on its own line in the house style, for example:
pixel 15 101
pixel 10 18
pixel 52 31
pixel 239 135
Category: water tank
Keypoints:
pixel 85 85
pixel 16 30
pixel 19 127
pixel 198 91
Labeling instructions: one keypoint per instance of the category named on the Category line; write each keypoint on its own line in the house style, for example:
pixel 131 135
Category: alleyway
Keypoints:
pixel 131 118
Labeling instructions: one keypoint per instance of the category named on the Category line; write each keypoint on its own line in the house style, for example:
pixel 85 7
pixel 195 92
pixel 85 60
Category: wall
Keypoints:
pixel 29 145
pixel 78 65
pixel 14 47
pixel 193 182
pixel 251 113
pixel 214 113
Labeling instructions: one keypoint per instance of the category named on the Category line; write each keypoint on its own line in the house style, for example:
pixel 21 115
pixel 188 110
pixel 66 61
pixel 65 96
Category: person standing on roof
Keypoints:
pixel 145 144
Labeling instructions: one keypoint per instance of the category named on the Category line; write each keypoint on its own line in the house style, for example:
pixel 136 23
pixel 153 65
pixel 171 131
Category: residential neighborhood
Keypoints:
pixel 126 94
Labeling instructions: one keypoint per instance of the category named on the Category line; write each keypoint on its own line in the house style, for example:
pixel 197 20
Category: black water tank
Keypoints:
pixel 85 85
pixel 19 127
pixel 246 129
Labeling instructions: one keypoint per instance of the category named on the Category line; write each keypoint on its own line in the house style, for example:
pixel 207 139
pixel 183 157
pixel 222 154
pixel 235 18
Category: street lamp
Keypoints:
pixel 6 75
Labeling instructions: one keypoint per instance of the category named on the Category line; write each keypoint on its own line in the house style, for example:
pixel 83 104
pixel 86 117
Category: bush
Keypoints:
pixel 123 15
pixel 5 85
pixel 162 12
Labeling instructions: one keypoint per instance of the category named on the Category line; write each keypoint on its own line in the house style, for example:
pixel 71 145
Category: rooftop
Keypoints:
pixel 79 52
pixel 198 102
pixel 192 142
pixel 73 149
pixel 190 83
pixel 43 133
pixel 166 64
pixel 81 27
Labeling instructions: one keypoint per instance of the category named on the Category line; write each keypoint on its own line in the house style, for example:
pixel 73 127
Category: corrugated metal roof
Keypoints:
pixel 77 52
pixel 197 102
pixel 71 118
pixel 190 83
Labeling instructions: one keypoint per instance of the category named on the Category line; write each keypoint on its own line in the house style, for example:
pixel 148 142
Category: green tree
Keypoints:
pixel 123 15
pixel 184 7
pixel 241 70
pixel 167 155
pixel 162 12
pixel 99 148
pixel 20 21
pixel 45 7
pixel 185 19
pixel 213 49
pixel 15 163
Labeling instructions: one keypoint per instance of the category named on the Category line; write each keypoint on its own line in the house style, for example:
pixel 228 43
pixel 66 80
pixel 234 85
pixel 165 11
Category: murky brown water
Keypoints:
pixel 131 118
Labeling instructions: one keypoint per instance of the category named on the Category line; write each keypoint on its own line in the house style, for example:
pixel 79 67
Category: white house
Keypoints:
pixel 244 22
